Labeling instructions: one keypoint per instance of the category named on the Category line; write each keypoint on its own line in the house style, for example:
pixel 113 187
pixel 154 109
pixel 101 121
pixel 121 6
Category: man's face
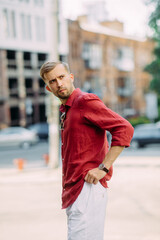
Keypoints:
pixel 60 82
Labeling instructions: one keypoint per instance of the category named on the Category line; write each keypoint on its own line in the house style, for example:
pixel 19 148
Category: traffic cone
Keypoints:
pixel 19 162
pixel 46 158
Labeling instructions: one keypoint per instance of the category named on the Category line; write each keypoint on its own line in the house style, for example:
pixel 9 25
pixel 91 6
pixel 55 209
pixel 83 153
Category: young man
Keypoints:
pixel 86 157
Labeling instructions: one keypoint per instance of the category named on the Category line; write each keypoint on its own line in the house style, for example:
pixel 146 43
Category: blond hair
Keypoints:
pixel 48 66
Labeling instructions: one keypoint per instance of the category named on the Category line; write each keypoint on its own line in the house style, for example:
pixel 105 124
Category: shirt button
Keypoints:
pixel 62 143
pixel 64 189
pixel 62 159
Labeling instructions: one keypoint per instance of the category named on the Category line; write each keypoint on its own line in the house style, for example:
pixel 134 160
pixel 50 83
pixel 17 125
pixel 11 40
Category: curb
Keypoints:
pixel 46 174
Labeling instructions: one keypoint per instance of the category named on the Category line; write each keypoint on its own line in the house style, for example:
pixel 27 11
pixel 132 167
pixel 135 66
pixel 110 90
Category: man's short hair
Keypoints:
pixel 48 66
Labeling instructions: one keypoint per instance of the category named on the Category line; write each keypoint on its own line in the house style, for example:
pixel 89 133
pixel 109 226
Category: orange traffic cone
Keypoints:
pixel 19 162
pixel 46 158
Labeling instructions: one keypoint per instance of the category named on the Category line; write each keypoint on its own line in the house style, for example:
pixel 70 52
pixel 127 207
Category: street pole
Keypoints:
pixel 53 120
pixel 52 102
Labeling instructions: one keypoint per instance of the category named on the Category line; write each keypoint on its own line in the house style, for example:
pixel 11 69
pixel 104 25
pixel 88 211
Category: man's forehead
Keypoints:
pixel 56 72
pixel 59 69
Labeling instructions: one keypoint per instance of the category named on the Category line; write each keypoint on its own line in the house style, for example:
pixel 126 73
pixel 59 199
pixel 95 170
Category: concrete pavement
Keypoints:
pixel 30 202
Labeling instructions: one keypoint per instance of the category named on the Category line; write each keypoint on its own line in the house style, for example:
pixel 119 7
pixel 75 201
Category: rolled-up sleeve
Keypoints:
pixel 95 112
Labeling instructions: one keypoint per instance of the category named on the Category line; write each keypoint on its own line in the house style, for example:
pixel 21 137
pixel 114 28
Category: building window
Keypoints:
pixel 5 23
pixel 26 27
pixel 13 83
pixel 124 59
pixel 41 87
pixel 13 87
pixel 9 23
pixel 11 57
pixel 29 87
pixel 13 25
pixel 41 58
pixel 93 85
pixel 27 56
pixel 15 116
pixel 92 55
pixel 28 83
pixel 124 87
pixel 41 83
pixel 42 111
pixel 29 110
pixel 40 29
pixel 27 60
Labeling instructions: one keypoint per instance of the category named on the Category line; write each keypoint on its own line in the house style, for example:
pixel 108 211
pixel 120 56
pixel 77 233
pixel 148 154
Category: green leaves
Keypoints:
pixel 154 67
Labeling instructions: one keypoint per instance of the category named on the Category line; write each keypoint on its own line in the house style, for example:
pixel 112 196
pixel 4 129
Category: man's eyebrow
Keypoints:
pixel 56 77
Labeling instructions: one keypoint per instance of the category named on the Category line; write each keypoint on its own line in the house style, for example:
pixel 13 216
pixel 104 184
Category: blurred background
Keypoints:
pixel 113 49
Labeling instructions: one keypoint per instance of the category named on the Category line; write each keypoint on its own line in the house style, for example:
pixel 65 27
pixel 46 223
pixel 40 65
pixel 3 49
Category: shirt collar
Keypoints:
pixel 70 100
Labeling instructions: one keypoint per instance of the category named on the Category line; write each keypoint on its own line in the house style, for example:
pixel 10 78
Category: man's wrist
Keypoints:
pixel 102 167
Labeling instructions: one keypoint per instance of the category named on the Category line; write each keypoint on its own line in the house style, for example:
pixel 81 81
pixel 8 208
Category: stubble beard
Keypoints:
pixel 65 94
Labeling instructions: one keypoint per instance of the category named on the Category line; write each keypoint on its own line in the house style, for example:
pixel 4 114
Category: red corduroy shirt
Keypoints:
pixel 84 141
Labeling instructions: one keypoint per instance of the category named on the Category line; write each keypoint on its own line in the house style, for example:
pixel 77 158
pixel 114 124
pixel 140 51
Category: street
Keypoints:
pixel 31 199
pixel 34 155
pixel 31 202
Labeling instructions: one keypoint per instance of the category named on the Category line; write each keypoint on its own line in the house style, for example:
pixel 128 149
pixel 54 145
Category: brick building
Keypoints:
pixel 26 41
pixel 109 63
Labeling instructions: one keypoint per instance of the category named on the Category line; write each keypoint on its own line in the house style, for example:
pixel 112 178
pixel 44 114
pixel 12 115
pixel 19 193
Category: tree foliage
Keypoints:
pixel 154 19
pixel 154 67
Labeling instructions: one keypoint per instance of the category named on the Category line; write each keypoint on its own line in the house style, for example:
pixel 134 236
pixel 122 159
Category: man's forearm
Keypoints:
pixel 112 155
pixel 95 174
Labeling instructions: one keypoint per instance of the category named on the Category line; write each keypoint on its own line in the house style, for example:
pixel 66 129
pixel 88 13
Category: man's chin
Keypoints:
pixel 63 96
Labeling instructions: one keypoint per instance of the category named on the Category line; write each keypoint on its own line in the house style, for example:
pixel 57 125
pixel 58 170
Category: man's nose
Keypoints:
pixel 59 83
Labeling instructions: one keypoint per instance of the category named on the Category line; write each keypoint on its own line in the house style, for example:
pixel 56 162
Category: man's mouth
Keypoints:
pixel 62 90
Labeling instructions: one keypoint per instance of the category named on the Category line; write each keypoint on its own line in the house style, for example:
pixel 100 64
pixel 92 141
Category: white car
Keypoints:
pixel 17 136
pixel 145 134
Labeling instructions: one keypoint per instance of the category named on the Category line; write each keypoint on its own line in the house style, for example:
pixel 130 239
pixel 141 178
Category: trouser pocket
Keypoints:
pixel 81 203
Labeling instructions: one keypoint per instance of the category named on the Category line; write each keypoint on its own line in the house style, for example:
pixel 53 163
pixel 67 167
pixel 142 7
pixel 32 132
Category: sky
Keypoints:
pixel 134 13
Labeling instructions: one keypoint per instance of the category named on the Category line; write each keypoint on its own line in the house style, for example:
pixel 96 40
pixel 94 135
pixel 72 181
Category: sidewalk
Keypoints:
pixel 30 202
pixel 30 175
pixel 45 174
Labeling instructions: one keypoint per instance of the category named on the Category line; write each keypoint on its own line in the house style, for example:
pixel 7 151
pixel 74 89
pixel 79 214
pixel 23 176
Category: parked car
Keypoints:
pixel 145 134
pixel 17 136
pixel 41 129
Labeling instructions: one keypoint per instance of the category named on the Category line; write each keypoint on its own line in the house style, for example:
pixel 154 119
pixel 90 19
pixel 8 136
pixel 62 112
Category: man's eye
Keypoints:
pixel 61 76
pixel 52 81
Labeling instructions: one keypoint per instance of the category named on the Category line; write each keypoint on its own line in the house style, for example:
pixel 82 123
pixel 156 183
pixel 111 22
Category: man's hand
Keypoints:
pixel 94 175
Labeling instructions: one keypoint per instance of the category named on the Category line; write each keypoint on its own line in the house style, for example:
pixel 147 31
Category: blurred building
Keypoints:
pixel 109 63
pixel 26 41
pixel 104 59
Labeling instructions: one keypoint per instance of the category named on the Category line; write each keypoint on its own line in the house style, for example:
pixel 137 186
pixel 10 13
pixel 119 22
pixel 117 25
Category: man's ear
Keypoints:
pixel 72 76
pixel 48 89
